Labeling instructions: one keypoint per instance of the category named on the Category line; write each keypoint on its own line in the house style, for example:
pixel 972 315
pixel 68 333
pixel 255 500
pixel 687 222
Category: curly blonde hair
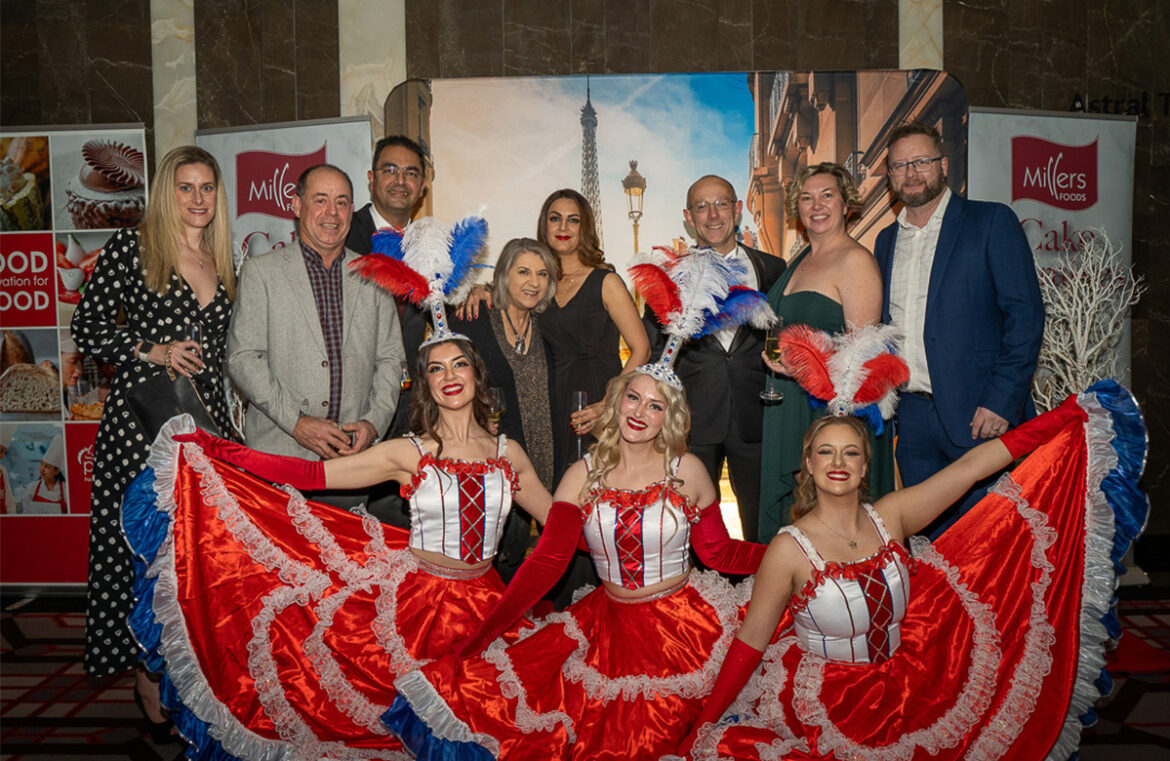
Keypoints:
pixel 806 490
pixel 845 185
pixel 671 440
pixel 160 234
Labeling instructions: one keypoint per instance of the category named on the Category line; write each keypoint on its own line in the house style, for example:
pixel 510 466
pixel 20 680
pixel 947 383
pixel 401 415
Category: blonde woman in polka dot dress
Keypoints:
pixel 149 286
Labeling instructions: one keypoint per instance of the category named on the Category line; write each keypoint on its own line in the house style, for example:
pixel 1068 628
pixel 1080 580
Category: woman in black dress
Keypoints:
pixel 592 307
pixel 172 272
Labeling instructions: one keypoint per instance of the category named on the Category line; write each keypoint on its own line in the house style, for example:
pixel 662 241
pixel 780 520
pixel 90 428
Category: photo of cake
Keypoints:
pixel 109 189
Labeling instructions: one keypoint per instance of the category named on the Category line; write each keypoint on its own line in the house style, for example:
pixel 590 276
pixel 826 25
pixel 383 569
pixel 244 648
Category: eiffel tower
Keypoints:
pixel 589 184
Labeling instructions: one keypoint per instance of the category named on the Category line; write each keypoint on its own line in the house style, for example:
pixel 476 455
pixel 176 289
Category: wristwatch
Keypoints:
pixel 144 351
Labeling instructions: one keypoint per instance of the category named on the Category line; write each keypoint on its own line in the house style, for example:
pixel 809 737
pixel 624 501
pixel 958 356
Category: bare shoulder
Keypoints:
pixel 857 259
pixel 569 489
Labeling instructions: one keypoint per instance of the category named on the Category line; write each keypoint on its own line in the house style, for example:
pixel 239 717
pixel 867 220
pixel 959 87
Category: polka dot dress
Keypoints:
pixel 121 448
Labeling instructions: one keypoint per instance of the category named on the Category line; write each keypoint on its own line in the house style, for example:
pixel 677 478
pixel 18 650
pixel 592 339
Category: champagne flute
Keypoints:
pixel 195 333
pixel 498 406
pixel 580 402
pixel 772 349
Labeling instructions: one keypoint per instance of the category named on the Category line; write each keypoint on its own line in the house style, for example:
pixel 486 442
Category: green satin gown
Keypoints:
pixel 785 422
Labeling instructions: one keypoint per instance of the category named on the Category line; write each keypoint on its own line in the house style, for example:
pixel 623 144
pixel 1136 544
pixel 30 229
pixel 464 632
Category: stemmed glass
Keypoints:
pixel 580 402
pixel 195 333
pixel 772 349
pixel 498 406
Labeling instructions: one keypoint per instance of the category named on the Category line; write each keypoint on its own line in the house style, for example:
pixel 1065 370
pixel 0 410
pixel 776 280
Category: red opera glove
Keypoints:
pixel 737 668
pixel 301 474
pixel 534 577
pixel 1027 436
pixel 718 550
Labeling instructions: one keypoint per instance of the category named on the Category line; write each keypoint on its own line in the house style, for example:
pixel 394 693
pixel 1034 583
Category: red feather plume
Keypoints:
pixel 806 351
pixel 886 371
pixel 392 275
pixel 660 292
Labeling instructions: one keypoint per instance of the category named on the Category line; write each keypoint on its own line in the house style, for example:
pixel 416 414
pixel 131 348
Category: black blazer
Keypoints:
pixel 721 384
pixel 414 322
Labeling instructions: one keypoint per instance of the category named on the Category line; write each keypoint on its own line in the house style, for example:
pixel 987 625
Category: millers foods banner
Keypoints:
pixel 1064 174
pixel 62 193
pixel 261 165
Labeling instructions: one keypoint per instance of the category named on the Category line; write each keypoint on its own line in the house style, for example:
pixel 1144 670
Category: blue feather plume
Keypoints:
pixel 387 242
pixel 739 306
pixel 467 238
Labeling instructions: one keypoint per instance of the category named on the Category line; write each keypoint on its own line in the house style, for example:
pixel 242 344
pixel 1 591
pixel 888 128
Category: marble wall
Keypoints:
pixel 75 62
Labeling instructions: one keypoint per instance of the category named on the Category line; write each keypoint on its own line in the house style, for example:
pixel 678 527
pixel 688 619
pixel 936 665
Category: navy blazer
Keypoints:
pixel 984 314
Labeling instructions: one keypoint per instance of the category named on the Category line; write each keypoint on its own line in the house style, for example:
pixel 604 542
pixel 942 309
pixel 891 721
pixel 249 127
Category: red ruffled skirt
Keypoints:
pixel 283 623
pixel 1000 645
pixel 607 678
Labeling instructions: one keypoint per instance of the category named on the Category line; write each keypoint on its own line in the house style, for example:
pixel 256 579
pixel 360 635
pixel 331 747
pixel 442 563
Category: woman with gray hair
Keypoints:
pixel 509 339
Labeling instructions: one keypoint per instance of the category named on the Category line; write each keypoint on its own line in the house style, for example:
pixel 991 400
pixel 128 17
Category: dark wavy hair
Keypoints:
pixel 589 249
pixel 424 410
pixel 806 490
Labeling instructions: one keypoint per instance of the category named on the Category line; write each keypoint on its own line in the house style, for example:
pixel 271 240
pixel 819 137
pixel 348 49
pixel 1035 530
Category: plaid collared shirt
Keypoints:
pixel 326 285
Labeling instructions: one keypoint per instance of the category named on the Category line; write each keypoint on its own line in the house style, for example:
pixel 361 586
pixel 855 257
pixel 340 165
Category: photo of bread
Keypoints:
pixel 30 382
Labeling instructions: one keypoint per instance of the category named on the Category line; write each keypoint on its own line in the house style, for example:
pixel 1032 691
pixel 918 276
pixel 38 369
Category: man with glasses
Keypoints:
pixel 722 372
pixel 398 181
pixel 960 283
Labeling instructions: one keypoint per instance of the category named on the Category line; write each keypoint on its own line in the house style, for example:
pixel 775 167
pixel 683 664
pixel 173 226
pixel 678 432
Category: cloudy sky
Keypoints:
pixel 508 143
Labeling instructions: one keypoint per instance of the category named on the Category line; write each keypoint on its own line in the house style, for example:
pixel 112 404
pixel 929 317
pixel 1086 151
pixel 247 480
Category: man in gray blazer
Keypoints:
pixel 315 350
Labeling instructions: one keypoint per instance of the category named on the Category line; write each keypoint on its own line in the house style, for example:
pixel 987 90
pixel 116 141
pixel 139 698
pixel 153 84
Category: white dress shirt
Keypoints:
pixel 909 285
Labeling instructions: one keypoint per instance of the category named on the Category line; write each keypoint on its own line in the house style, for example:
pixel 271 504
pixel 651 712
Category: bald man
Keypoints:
pixel 723 373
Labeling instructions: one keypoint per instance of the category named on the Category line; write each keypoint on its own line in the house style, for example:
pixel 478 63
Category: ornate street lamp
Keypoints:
pixel 634 185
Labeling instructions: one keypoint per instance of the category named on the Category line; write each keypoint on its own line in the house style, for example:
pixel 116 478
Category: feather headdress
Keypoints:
pixel 693 295
pixel 427 264
pixel 855 373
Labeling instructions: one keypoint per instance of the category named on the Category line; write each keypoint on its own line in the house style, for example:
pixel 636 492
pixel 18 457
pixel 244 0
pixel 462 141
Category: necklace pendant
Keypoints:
pixel 519 347
pixel 852 544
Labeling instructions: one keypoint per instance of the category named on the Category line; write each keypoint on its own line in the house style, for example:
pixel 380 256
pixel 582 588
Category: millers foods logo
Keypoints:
pixel 266 182
pixel 1058 175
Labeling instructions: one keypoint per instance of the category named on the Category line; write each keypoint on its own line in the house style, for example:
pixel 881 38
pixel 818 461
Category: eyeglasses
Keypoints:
pixel 406 172
pixel 721 206
pixel 920 165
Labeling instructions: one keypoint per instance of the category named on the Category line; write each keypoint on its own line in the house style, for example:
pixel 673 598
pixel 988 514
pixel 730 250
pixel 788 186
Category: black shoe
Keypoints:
pixel 160 731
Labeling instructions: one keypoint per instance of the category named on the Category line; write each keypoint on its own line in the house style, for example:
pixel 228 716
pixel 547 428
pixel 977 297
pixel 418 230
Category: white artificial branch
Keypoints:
pixel 1086 301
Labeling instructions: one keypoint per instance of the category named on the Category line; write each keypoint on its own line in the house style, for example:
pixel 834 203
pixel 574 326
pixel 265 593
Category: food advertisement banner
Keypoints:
pixel 62 193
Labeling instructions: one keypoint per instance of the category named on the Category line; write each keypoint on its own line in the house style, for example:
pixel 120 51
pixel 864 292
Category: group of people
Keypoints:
pixel 333 633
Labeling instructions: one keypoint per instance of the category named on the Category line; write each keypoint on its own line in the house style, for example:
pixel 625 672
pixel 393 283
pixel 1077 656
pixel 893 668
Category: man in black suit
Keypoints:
pixel 398 181
pixel 723 373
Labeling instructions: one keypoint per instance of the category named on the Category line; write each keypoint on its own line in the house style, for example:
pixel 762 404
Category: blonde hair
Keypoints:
pixel 671 440
pixel 845 186
pixel 806 490
pixel 160 236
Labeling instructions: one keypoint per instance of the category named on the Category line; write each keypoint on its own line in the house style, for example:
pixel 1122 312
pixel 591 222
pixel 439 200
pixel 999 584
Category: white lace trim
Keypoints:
pixel 303 584
pixel 527 719
pixel 428 705
pixel 1099 582
pixel 402 563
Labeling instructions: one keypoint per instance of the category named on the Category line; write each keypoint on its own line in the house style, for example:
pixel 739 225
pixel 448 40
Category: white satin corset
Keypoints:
pixel 852 612
pixel 639 538
pixel 459 508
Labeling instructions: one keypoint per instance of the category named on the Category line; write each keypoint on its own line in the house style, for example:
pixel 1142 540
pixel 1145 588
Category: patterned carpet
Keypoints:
pixel 49 709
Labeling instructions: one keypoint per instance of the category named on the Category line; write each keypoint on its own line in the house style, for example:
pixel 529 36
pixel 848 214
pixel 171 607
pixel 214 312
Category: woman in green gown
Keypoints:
pixel 832 284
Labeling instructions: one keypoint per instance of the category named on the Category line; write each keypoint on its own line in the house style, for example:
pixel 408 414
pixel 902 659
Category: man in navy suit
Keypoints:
pixel 961 284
